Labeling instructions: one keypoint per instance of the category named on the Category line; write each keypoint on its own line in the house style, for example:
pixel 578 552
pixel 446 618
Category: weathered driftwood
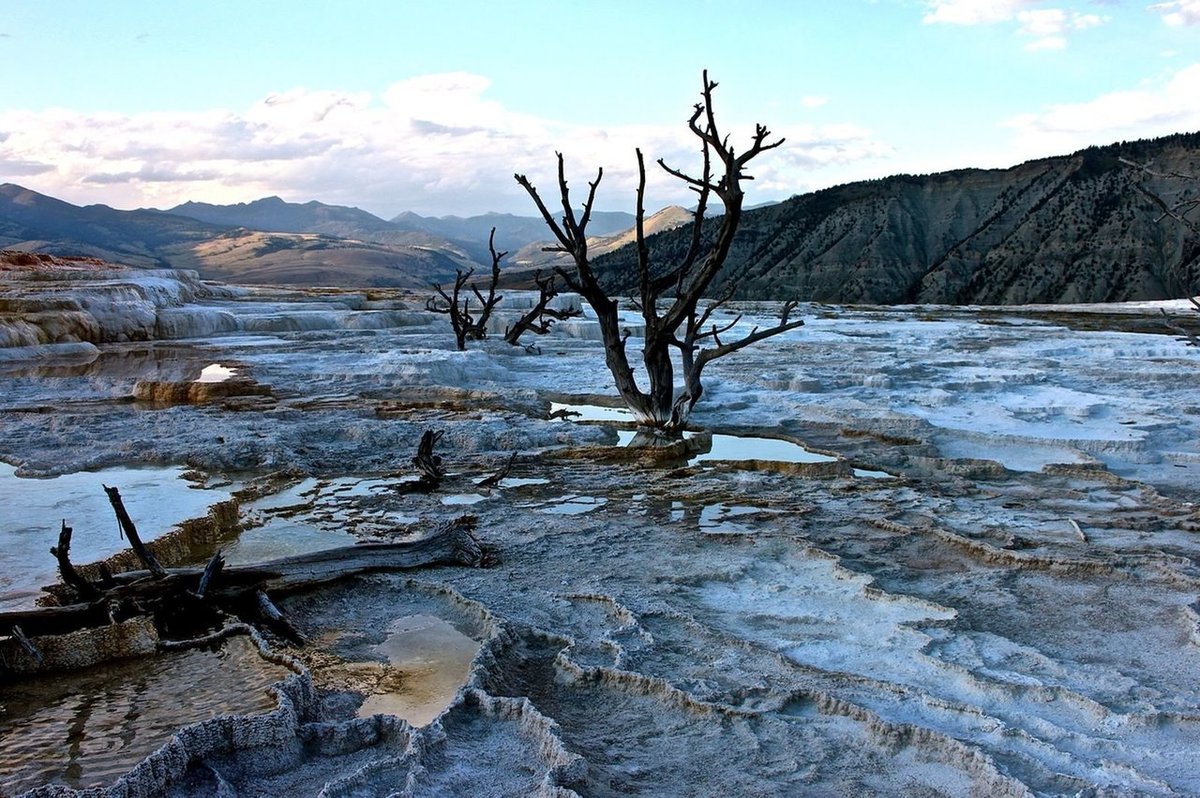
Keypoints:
pixel 71 577
pixel 495 479
pixel 214 567
pixel 428 463
pixel 176 597
pixel 135 540
pixel 275 619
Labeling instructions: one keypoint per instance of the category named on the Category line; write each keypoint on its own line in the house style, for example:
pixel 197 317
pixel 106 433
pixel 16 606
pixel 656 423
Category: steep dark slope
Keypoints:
pixel 1067 229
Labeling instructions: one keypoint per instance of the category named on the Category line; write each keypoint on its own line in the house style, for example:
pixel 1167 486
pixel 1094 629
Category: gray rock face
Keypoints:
pixel 1059 230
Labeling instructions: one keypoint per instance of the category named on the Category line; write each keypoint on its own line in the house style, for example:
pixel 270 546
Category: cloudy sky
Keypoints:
pixel 431 106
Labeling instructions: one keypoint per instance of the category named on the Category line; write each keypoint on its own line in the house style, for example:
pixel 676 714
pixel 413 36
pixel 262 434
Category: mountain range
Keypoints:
pixel 1073 228
pixel 270 241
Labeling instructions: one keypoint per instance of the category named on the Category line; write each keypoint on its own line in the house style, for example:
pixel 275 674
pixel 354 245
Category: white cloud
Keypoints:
pixel 1042 22
pixel 1179 12
pixel 1170 107
pixel 1048 27
pixel 433 144
pixel 972 12
pixel 813 101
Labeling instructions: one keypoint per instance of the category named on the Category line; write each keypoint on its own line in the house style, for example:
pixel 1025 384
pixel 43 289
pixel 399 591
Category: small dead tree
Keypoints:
pixel 681 325
pixel 539 318
pixel 487 305
pixel 467 327
pixel 448 304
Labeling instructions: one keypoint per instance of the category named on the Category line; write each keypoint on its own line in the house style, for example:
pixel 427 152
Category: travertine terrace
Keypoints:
pixel 987 587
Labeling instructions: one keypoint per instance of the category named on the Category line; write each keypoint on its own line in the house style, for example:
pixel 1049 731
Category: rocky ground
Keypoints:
pixel 987 586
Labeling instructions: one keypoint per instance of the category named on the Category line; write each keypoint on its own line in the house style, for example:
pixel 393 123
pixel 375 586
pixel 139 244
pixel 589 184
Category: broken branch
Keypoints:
pixel 71 577
pixel 135 541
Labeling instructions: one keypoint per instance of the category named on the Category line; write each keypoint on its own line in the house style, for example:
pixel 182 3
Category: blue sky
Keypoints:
pixel 431 106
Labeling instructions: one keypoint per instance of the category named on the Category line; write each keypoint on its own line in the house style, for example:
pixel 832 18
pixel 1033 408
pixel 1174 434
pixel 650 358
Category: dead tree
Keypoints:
pixel 460 315
pixel 71 577
pixel 467 327
pixel 479 332
pixel 539 318
pixel 678 324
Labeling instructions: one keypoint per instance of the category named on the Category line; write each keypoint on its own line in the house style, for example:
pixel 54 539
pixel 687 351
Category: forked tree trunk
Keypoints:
pixel 682 326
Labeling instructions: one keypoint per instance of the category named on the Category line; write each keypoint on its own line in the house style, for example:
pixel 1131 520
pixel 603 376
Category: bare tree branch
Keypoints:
pixel 467 327
pixel 689 279
pixel 546 215
pixel 460 315
pixel 540 317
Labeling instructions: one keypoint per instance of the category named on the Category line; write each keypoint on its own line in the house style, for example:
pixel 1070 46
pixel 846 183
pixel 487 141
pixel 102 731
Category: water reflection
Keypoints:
pixel 215 372
pixel 730 448
pixel 154 361
pixel 589 412
pixel 157 499
pixel 433 659
pixel 733 447
pixel 569 504
pixel 86 729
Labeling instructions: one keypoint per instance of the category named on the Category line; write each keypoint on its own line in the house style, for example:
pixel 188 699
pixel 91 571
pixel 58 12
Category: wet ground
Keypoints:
pixel 922 554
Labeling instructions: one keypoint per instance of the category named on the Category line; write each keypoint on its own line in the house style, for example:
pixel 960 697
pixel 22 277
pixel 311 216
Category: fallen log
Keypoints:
pixel 57 620
pixel 451 544
pixel 234 588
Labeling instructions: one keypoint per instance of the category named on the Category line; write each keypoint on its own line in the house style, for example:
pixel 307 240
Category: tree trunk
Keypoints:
pixel 685 282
